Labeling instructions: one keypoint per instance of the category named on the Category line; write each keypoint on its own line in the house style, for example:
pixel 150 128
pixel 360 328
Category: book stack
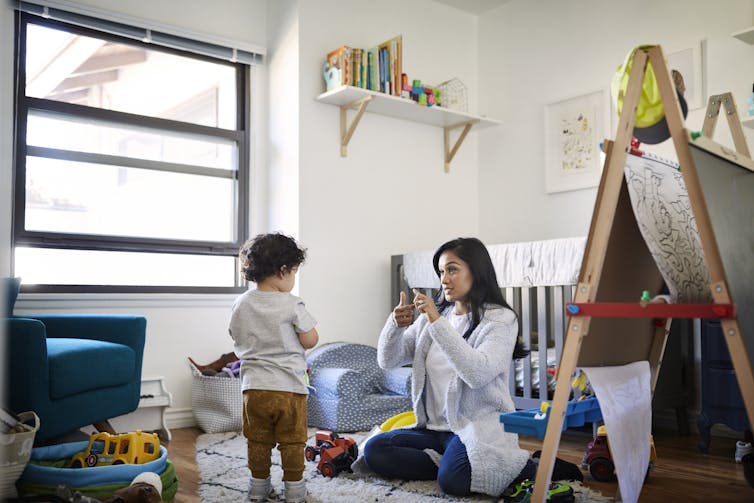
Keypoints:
pixel 377 69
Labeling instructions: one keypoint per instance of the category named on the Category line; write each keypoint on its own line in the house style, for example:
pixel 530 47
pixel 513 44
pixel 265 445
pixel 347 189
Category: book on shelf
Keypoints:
pixel 339 60
pixel 392 52
pixel 376 69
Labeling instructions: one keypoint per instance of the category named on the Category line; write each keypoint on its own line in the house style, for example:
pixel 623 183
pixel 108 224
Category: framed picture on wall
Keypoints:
pixel 574 128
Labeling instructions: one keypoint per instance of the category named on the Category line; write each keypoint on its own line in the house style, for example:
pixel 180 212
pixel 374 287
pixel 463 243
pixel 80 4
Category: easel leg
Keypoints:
pixel 657 350
pixel 557 410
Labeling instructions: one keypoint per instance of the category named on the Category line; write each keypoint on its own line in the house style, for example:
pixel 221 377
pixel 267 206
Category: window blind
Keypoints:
pixel 159 37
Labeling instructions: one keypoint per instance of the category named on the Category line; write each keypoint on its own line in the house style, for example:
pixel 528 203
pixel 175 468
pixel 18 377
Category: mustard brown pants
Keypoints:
pixel 275 418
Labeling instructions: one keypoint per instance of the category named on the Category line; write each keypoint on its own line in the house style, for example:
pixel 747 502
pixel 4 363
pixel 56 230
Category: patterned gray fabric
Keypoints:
pixel 353 393
pixel 663 211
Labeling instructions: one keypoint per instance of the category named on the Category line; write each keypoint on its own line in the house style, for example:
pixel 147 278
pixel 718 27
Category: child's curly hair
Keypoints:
pixel 264 255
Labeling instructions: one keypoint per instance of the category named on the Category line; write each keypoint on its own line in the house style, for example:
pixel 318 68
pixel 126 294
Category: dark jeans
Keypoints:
pixel 400 454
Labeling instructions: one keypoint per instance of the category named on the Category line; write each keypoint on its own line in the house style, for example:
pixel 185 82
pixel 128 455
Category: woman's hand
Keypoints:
pixel 403 314
pixel 425 305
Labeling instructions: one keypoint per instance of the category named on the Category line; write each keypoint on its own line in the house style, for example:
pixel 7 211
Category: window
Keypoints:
pixel 131 163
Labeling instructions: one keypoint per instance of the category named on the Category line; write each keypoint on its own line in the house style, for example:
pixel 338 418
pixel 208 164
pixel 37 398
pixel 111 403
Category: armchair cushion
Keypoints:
pixel 79 365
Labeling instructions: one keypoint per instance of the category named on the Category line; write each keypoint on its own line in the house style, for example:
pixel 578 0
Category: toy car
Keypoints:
pixel 105 449
pixel 336 453
pixel 523 491
pixel 599 461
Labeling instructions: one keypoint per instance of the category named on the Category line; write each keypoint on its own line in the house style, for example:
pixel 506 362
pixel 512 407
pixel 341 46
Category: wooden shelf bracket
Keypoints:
pixel 346 131
pixel 449 151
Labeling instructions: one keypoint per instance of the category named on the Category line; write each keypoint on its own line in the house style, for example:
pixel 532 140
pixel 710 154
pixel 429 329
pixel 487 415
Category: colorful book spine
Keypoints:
pixel 377 69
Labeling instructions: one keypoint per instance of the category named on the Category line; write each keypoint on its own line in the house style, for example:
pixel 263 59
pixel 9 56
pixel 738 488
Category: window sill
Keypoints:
pixel 33 302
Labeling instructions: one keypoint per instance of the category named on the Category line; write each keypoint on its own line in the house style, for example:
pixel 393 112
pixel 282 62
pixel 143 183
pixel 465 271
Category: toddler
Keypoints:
pixel 271 329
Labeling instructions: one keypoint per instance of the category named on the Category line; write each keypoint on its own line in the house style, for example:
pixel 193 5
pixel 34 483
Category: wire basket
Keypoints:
pixel 217 402
pixel 15 451
pixel 453 95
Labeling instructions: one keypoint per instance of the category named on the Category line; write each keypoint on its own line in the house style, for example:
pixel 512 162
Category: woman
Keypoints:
pixel 461 348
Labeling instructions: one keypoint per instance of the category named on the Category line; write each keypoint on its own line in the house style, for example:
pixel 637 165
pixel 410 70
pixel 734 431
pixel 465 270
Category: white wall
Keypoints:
pixel 282 167
pixel 534 53
pixel 390 194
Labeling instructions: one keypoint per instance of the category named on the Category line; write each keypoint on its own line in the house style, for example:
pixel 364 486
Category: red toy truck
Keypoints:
pixel 336 453
pixel 599 461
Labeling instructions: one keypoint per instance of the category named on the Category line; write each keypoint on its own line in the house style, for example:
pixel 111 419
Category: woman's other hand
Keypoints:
pixel 403 314
pixel 425 305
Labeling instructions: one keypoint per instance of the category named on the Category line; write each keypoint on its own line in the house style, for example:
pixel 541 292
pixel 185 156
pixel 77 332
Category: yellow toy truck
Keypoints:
pixel 105 449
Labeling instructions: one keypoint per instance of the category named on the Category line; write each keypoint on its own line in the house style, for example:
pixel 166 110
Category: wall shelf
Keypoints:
pixel 746 35
pixel 348 97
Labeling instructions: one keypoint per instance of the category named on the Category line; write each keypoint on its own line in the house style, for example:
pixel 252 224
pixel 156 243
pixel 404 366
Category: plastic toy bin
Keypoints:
pixel 577 413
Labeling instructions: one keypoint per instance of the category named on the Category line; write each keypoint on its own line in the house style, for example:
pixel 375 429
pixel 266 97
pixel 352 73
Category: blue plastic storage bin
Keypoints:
pixel 45 472
pixel 577 413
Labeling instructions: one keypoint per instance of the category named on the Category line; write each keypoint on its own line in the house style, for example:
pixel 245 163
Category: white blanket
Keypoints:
pixel 535 263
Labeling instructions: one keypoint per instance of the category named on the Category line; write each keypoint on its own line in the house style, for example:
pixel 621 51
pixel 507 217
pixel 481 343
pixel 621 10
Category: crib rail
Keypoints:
pixel 542 321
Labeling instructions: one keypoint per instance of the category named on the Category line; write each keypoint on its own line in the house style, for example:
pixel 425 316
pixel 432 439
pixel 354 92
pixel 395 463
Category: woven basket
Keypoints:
pixel 15 451
pixel 217 402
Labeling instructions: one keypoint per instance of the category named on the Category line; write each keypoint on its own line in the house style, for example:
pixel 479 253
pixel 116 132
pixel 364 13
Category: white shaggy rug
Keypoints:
pixel 221 458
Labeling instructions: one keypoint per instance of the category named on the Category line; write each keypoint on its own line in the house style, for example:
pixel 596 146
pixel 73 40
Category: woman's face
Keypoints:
pixel 455 277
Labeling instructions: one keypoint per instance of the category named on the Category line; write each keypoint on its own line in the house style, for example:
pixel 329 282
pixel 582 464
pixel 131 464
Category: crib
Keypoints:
pixel 537 279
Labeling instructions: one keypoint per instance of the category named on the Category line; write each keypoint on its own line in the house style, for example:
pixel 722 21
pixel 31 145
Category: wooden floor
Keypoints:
pixel 681 473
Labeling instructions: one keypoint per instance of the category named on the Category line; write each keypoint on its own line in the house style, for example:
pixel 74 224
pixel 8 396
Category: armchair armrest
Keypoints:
pixel 398 380
pixel 337 383
pixel 26 359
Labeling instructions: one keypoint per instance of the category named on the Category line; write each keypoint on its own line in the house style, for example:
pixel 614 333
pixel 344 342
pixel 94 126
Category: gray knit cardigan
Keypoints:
pixel 476 395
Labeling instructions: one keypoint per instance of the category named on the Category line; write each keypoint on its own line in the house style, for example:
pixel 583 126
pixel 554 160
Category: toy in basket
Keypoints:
pixel 15 451
pixel 105 449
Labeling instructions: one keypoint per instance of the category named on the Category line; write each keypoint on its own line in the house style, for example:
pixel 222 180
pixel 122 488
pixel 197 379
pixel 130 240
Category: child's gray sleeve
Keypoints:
pixel 303 321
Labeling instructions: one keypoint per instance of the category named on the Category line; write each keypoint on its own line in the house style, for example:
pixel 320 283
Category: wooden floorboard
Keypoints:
pixel 681 472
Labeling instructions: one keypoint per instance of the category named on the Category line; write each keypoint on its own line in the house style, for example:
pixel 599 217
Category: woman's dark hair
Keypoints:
pixel 264 256
pixel 484 287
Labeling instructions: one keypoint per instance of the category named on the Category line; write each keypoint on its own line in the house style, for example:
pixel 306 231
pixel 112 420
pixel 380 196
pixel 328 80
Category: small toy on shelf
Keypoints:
pixel 423 95
pixel 598 460
pixel 336 453
pixel 105 449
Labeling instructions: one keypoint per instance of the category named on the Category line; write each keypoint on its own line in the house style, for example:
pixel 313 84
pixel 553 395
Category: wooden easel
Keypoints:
pixel 734 123
pixel 617 266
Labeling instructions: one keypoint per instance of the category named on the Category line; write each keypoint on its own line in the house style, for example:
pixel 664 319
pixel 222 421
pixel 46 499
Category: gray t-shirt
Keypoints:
pixel 265 327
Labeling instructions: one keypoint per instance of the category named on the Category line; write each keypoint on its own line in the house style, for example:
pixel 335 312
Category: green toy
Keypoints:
pixel 522 493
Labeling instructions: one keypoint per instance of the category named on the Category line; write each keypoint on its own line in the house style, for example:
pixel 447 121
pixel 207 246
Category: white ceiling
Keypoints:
pixel 474 6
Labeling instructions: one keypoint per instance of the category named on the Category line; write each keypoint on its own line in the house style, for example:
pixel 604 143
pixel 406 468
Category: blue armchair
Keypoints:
pixel 73 370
